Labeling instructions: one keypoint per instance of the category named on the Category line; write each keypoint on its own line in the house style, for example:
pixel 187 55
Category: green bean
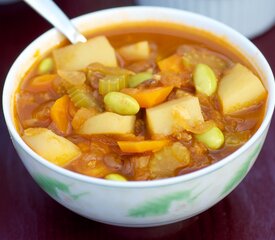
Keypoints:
pixel 46 66
pixel 139 78
pixel 212 138
pixel 204 79
pixel 115 177
pixel 121 103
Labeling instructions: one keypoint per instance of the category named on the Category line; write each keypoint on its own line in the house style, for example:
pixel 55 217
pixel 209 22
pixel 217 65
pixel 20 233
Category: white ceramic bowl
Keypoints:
pixel 250 17
pixel 150 203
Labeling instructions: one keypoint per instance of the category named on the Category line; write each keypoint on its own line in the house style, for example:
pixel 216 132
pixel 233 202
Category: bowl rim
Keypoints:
pixel 159 182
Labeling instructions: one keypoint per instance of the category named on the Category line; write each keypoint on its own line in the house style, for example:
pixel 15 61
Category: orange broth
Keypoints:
pixel 100 153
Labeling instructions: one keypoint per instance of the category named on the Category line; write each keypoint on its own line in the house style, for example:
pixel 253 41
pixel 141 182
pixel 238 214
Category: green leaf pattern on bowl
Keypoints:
pixel 239 175
pixel 161 205
pixel 55 188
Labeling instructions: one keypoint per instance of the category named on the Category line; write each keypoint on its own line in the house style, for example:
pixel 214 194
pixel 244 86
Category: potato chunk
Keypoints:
pixel 80 55
pixel 161 120
pixel 239 89
pixel 136 51
pixel 50 146
pixel 108 123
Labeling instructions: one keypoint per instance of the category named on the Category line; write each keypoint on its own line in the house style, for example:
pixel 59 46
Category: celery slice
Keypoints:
pixel 139 78
pixel 112 83
pixel 81 96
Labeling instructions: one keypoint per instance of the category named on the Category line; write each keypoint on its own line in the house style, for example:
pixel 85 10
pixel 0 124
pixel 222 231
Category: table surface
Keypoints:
pixel 26 212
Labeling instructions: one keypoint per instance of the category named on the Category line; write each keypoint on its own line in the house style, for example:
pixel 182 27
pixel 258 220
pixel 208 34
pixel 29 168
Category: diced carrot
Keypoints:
pixel 72 109
pixel 141 146
pixel 41 83
pixel 128 137
pixel 60 113
pixel 149 97
pixel 173 63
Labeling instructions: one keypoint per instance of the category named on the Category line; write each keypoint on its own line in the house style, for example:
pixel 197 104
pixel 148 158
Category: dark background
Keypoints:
pixel 26 212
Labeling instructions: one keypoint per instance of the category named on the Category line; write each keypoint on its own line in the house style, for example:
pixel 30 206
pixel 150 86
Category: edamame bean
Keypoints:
pixel 212 138
pixel 46 66
pixel 121 103
pixel 115 177
pixel 204 79
pixel 139 78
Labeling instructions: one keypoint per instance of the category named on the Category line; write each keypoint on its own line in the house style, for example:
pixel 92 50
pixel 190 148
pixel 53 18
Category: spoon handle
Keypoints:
pixel 52 13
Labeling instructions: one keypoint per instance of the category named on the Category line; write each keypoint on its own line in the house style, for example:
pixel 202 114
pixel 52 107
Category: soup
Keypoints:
pixel 140 102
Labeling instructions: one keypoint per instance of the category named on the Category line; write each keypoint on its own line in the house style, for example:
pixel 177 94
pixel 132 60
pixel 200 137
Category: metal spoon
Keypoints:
pixel 53 14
